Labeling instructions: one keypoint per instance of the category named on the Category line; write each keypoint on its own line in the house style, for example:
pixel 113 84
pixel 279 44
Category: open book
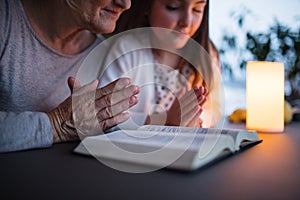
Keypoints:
pixel 166 146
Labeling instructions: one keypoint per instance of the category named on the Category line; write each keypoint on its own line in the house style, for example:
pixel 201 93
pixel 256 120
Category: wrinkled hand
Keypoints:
pixel 90 111
pixel 187 110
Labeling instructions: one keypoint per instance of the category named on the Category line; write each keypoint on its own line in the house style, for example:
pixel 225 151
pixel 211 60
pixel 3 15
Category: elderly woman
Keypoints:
pixel 43 44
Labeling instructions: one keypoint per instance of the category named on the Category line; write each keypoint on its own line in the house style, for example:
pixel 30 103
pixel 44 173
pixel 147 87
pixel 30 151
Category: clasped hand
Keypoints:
pixel 90 111
pixel 187 108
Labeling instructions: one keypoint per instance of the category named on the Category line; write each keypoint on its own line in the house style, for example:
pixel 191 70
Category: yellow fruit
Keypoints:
pixel 288 112
pixel 237 116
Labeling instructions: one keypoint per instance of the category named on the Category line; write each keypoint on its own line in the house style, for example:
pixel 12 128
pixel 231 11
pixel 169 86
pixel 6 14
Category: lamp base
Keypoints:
pixel 265 130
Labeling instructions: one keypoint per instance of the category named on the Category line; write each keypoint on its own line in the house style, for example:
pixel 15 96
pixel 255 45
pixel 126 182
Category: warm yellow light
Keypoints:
pixel 265 96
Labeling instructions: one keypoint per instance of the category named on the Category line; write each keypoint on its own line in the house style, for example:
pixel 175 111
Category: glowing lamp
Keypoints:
pixel 265 96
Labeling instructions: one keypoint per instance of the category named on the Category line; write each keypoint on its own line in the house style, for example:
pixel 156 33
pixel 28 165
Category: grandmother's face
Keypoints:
pixel 98 16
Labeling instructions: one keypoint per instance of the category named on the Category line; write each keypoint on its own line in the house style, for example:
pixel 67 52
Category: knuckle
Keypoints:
pixel 104 114
pixel 108 123
pixel 99 93
pixel 105 90
pixel 103 125
pixel 112 121
pixel 107 112
pixel 107 100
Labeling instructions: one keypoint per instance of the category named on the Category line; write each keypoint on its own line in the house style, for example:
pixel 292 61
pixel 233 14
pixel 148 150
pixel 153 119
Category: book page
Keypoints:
pixel 238 135
pixel 209 137
pixel 190 130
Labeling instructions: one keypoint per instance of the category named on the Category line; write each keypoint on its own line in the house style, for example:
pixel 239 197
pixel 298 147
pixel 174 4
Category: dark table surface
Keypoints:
pixel 268 170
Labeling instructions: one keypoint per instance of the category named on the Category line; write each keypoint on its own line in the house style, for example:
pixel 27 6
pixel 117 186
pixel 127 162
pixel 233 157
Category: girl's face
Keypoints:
pixel 183 16
pixel 99 16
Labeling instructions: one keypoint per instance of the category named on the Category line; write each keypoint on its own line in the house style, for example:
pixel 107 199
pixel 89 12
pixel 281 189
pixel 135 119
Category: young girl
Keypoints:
pixel 179 77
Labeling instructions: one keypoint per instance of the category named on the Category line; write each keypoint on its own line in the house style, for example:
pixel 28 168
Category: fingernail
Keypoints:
pixel 205 90
pixel 136 90
pixel 202 89
pixel 129 81
pixel 133 100
pixel 125 81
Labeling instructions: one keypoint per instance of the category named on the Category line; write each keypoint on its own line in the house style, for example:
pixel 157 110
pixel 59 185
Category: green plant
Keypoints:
pixel 279 44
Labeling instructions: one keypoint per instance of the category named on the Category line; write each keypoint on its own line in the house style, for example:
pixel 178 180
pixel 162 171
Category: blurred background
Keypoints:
pixel 265 30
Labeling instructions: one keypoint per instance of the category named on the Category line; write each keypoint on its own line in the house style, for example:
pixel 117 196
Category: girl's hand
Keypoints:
pixel 187 110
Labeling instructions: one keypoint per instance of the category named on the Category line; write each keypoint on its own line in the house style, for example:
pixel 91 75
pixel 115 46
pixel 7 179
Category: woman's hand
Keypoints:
pixel 90 111
pixel 187 110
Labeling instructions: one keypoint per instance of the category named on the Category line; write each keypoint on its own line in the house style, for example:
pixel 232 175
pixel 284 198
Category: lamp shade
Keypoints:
pixel 265 96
